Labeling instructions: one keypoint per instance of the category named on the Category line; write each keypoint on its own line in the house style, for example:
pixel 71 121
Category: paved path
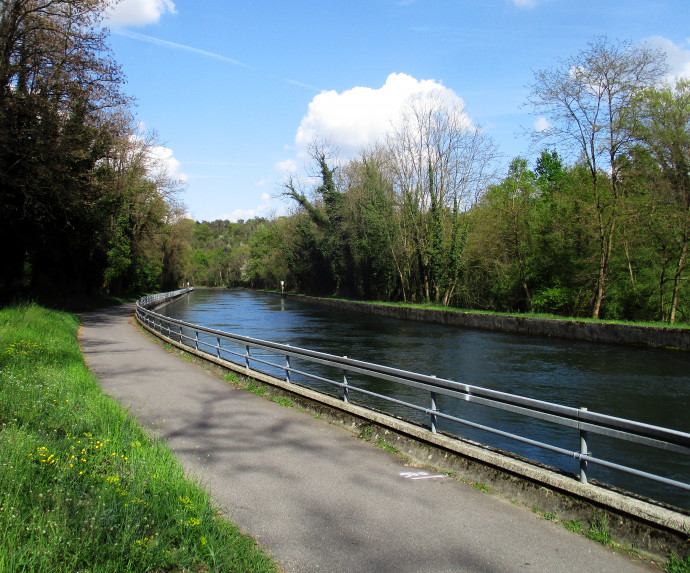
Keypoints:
pixel 316 497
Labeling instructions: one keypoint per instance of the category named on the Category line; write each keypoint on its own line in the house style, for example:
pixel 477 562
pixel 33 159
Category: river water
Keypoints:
pixel 646 385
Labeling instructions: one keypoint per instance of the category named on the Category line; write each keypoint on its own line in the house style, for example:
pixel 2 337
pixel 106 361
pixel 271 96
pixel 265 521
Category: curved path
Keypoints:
pixel 313 495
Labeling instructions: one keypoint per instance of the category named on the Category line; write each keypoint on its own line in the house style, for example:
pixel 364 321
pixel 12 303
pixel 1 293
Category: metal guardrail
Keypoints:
pixel 237 350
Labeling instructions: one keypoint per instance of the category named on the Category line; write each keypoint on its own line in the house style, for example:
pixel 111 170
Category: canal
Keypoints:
pixel 646 385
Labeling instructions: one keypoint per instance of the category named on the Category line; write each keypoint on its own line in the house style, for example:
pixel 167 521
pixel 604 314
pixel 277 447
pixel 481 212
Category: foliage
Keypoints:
pixel 677 565
pixel 82 485
pixel 85 207
pixel 425 218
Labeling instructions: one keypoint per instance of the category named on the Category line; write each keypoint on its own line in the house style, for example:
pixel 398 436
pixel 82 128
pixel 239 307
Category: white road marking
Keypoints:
pixel 420 475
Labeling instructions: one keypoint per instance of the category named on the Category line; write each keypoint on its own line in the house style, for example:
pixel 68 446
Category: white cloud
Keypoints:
pixel 163 163
pixel 362 116
pixel 138 12
pixel 264 209
pixel 541 124
pixel 677 58
pixel 287 166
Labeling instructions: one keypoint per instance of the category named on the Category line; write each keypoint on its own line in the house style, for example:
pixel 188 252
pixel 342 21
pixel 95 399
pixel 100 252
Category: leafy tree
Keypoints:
pixel 664 130
pixel 587 99
pixel 58 90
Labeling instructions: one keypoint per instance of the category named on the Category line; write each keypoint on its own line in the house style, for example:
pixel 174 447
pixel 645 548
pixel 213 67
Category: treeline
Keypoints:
pixel 85 206
pixel 598 225
pixel 424 217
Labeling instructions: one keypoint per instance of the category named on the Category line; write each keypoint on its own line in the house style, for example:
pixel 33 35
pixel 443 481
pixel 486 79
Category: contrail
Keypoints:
pixel 176 46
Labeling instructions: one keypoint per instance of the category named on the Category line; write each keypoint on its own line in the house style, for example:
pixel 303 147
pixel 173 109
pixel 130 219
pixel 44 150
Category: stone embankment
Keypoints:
pixel 649 336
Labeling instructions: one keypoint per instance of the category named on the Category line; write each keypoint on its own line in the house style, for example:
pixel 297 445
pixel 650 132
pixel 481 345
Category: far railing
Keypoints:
pixel 279 360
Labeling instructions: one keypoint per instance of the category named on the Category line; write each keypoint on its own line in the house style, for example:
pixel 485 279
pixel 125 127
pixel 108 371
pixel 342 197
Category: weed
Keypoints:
pixel 282 401
pixel 318 417
pixel 386 447
pixel 233 378
pixel 480 486
pixel 598 531
pixel 552 516
pixel 575 525
pixel 676 565
pixel 366 433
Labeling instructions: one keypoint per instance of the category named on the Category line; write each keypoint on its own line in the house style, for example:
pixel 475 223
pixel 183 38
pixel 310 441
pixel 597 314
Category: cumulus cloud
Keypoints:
pixel 163 163
pixel 287 166
pixel 138 12
pixel 677 58
pixel 362 116
pixel 541 124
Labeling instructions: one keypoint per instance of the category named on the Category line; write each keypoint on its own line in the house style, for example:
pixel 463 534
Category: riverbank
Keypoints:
pixel 593 331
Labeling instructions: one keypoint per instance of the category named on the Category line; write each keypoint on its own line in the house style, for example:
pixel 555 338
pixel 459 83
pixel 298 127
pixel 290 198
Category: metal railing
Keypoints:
pixel 275 359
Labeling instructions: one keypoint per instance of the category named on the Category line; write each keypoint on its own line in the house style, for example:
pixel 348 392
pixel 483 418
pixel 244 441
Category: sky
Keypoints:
pixel 235 91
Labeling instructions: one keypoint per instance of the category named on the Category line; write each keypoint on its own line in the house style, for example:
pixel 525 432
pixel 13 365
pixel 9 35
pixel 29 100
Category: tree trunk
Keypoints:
pixel 677 281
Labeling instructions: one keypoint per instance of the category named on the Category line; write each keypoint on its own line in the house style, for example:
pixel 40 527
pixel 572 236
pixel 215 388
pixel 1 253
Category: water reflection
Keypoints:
pixel 647 385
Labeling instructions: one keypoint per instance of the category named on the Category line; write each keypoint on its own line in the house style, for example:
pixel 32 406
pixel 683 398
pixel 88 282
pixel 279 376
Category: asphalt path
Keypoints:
pixel 312 494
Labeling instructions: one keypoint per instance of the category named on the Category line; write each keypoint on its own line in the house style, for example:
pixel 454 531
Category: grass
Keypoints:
pixel 598 531
pixel 82 487
pixel 251 386
pixel 676 565
pixel 431 306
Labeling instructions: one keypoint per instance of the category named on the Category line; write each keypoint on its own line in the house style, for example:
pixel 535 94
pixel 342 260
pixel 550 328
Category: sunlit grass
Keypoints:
pixel 82 487
pixel 438 307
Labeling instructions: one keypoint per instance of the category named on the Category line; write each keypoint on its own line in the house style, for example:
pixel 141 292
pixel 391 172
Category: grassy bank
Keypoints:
pixel 82 488
pixel 438 307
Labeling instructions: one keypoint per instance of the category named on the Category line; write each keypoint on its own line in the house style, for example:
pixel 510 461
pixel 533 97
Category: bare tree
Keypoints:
pixel 441 163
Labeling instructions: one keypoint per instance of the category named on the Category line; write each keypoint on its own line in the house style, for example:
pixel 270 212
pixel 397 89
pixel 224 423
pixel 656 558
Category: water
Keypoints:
pixel 647 385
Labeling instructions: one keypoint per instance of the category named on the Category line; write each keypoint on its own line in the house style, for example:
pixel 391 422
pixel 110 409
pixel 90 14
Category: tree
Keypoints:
pixel 588 101
pixel 59 95
pixel 325 239
pixel 663 127
pixel 440 163
pixel 370 226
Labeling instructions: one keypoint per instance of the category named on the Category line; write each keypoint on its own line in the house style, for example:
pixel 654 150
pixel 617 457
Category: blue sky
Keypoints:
pixel 235 90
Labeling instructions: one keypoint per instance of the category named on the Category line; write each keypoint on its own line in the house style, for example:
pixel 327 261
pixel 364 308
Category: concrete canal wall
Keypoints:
pixel 649 336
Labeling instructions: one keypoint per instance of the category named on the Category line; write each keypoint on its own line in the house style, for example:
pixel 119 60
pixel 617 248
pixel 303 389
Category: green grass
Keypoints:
pixel 598 531
pixel 431 306
pixel 251 386
pixel 82 487
pixel 676 565
pixel 386 447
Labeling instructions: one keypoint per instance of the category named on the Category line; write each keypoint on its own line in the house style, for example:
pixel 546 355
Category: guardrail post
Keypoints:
pixel 246 356
pixel 180 341
pixel 218 347
pixel 346 390
pixel 433 409
pixel 287 367
pixel 583 452
pixel 196 339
